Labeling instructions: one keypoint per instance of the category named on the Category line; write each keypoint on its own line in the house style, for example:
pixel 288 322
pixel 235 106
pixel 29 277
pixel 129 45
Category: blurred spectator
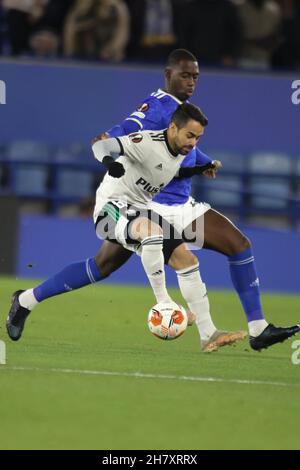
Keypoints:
pixel 22 15
pixel 154 25
pixel 2 28
pixel 287 55
pixel 97 29
pixel 35 25
pixel 211 29
pixel 261 21
pixel 46 40
pixel 249 33
pixel 286 6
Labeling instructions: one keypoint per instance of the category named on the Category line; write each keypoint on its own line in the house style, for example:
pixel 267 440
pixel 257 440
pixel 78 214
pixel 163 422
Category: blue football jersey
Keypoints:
pixel 155 114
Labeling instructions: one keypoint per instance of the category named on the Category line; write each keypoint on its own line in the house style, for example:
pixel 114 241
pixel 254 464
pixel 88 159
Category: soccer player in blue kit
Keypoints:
pixel 175 205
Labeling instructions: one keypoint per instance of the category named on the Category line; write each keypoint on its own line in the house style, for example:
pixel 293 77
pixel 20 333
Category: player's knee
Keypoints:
pixel 154 230
pixel 143 228
pixel 245 243
pixel 238 246
pixel 182 258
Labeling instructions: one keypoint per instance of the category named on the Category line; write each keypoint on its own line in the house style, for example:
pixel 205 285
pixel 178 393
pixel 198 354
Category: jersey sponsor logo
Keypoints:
pixel 143 108
pixel 136 138
pixel 147 186
pixel 159 167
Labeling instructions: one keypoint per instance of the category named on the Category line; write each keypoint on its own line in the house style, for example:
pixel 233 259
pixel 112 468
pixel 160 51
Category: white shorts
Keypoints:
pixel 113 222
pixel 182 215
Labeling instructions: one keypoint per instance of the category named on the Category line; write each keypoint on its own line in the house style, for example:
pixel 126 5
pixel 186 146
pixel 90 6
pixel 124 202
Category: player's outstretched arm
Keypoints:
pixel 128 126
pixel 186 172
pixel 106 151
pixel 203 159
pixel 102 136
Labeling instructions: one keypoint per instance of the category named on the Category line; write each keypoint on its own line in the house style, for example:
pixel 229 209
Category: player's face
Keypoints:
pixel 181 79
pixel 185 139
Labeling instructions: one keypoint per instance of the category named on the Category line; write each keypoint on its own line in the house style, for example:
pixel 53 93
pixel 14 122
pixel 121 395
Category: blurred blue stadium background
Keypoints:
pixel 53 112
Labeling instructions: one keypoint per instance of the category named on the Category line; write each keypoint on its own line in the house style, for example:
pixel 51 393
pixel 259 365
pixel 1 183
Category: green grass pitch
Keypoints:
pixel 70 382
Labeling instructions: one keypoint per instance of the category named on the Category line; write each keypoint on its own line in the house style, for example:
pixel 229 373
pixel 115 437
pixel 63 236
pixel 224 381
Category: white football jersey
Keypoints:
pixel 150 164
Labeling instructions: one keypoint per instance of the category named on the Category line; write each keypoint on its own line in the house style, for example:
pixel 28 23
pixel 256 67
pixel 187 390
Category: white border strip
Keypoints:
pixel 140 375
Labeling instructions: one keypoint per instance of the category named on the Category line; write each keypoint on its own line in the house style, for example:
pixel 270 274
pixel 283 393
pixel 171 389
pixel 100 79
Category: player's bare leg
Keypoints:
pixel 221 235
pixel 109 258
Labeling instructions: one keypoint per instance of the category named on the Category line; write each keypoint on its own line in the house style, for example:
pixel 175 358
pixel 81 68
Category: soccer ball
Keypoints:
pixel 167 320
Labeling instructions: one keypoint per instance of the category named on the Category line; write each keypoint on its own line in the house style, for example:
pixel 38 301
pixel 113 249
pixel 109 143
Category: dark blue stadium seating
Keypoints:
pixel 257 183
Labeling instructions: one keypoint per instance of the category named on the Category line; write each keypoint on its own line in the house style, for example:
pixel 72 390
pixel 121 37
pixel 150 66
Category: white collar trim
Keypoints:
pixel 172 96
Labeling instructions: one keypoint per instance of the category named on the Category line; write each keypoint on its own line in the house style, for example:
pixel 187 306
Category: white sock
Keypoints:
pixel 153 262
pixel 194 293
pixel 256 327
pixel 27 299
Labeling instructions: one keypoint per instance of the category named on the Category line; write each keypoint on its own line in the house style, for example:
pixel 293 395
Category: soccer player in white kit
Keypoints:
pixel 175 205
pixel 151 160
pixel 148 162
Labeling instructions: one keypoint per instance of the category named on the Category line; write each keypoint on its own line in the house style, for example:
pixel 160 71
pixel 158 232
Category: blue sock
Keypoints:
pixel 71 277
pixel 246 283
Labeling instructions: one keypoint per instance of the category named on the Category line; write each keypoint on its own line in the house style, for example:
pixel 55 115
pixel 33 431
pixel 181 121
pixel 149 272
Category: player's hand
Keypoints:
pixel 103 136
pixel 212 172
pixel 116 170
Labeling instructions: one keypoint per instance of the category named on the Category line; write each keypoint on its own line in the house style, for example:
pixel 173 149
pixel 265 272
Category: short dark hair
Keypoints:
pixel 187 111
pixel 178 55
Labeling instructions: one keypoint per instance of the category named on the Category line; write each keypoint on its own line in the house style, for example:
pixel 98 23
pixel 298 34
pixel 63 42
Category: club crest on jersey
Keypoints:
pixel 136 138
pixel 143 107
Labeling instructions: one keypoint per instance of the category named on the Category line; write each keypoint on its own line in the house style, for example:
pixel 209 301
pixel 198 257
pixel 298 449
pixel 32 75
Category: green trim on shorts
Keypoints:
pixel 112 211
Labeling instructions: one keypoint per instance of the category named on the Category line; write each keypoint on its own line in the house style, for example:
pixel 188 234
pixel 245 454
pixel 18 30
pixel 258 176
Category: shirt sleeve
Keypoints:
pixel 147 116
pixel 202 158
pixel 127 127
pixel 134 146
pixel 109 147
